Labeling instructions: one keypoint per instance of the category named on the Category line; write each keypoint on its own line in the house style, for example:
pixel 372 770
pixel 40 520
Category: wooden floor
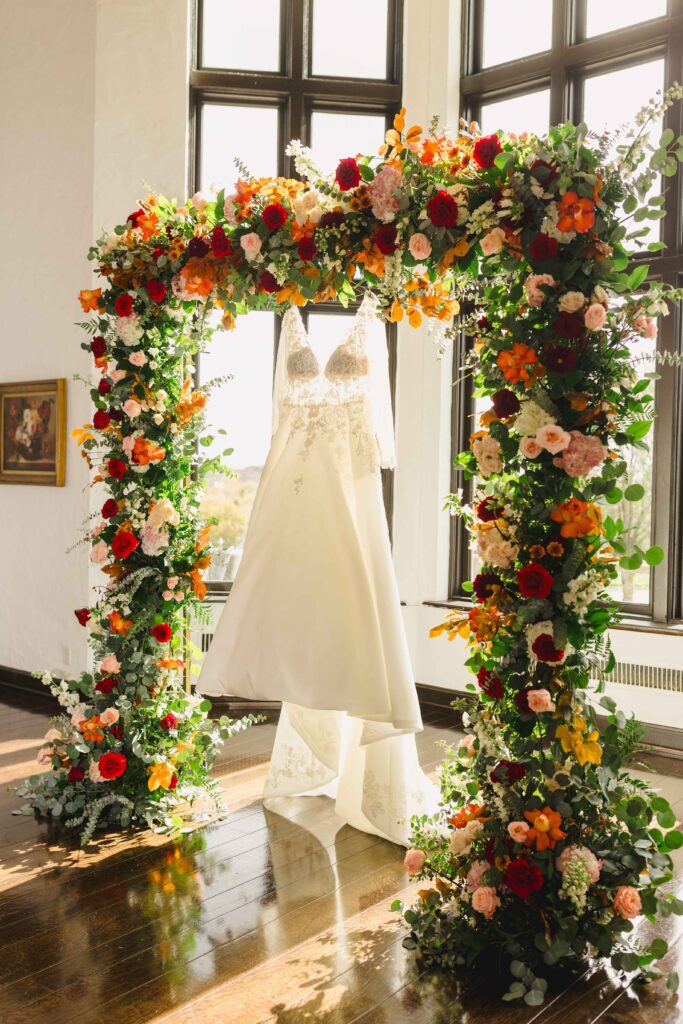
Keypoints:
pixel 263 916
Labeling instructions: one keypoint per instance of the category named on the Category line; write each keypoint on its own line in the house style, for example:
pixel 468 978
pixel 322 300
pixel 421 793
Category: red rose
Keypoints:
pixel 267 282
pixel 490 684
pixel 123 304
pixel 443 210
pixel 307 249
pixel 569 325
pixel 124 544
pixel 110 508
pixel 505 403
pixel 486 150
pixel 134 217
pixel 220 243
pixel 545 650
pixel 523 878
pixel 543 248
pixel 116 468
pixel 544 171
pixel 560 359
pixel 198 247
pixel 174 781
pixel 385 239
pixel 274 216
pixel 82 614
pixel 508 772
pixel 98 346
pixel 534 581
pixel 483 584
pixel 156 289
pixel 101 419
pixel 169 721
pixel 347 174
pixel 158 252
pixel 103 388
pixel 116 731
pixel 75 774
pixel 112 765
pixel 521 700
pixel 488 510
pixel 107 684
pixel 162 632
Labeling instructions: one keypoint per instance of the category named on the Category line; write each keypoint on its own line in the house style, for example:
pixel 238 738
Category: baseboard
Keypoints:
pixel 20 679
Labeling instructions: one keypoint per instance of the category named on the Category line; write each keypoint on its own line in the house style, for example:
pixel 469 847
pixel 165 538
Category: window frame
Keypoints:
pixel 296 93
pixel 563 69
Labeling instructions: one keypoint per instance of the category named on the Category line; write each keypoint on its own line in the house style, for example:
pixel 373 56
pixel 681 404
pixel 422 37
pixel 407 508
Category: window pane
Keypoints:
pixel 243 407
pixel 339 48
pixel 336 136
pixel 604 17
pixel 327 330
pixel 513 30
pixel 634 587
pixel 528 113
pixel 250 133
pixel 613 99
pixel 242 36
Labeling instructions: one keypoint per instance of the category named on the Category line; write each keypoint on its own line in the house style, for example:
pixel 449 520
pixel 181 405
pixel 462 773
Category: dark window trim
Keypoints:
pixel 297 94
pixel 563 68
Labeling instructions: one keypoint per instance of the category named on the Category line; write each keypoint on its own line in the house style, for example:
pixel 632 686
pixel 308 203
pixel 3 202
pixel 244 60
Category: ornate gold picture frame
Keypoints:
pixel 33 432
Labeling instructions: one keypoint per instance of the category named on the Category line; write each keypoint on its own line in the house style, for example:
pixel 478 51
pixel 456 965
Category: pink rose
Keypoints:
pixel 466 744
pixel 172 582
pixel 77 718
pixel 137 358
pixel 532 287
pixel 199 200
pixel 553 438
pixel 419 246
pixel 492 243
pixel 168 595
pixel 539 701
pixel 414 861
pixel 517 830
pixel 128 444
pixel 132 408
pixel 627 902
pixel 595 317
pixel 116 375
pixel 487 453
pixel 486 901
pixel 110 665
pixel 251 245
pixel 99 553
pixel 647 326
pixel 52 734
pixel 529 448
pixel 45 755
pixel 109 716
pixel 476 873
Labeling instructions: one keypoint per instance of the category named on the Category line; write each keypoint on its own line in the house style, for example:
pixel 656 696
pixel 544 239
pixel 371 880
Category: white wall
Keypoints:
pixel 94 101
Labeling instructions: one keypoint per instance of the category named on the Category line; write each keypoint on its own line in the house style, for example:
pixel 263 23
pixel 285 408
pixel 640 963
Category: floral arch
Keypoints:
pixel 541 827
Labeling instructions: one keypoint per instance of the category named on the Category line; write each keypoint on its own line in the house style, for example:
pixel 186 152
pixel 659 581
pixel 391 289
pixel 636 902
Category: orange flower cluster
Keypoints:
pixel 145 452
pixel 470 812
pixel 578 518
pixel 520 363
pixel 190 403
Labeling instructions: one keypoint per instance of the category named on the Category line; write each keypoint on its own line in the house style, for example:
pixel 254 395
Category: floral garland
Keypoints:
pixel 540 848
pixel 546 850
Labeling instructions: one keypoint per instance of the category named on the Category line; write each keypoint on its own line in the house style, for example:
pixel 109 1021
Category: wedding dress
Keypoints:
pixel 314 618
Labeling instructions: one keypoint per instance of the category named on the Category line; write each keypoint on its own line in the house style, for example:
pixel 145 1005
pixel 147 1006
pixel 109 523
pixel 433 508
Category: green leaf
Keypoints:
pixel 614 496
pixel 672 982
pixel 366 172
pixel 639 429
pixel 658 948
pixel 634 492
pixel 654 556
pixel 673 840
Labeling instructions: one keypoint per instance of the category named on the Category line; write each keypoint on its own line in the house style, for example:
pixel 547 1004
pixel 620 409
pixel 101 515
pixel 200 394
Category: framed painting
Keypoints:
pixel 33 432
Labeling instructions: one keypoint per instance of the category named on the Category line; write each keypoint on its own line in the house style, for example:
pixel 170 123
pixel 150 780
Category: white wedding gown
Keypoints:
pixel 314 618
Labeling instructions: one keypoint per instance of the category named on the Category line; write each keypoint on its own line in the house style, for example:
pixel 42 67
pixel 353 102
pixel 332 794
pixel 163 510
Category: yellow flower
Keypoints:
pixel 82 434
pixel 576 739
pixel 160 776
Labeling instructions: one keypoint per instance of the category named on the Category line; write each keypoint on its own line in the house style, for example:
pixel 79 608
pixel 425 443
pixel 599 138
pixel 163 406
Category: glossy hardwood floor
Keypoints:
pixel 266 915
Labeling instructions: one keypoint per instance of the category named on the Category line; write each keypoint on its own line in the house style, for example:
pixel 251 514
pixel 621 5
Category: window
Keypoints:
pixel 588 60
pixel 264 73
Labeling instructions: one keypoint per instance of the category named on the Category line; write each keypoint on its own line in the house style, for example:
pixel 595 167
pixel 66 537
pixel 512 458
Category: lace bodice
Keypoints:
pixel 353 385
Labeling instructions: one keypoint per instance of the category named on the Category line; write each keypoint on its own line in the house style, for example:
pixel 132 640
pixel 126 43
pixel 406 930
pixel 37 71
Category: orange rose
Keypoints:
pixel 518 363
